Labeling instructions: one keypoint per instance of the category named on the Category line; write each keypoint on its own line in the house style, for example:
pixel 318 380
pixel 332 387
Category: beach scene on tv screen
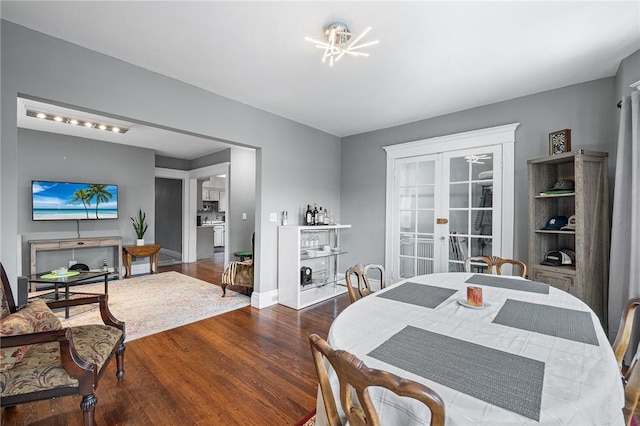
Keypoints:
pixel 65 200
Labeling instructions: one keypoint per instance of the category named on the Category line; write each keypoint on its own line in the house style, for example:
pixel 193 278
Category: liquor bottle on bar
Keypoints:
pixel 320 217
pixel 315 214
pixel 308 216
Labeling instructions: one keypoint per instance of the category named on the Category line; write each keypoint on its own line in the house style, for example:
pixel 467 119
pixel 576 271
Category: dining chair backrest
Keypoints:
pixel 496 261
pixel 631 376
pixel 354 375
pixel 362 282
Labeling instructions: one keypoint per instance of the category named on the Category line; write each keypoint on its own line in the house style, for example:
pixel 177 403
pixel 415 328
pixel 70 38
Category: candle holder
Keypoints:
pixel 474 296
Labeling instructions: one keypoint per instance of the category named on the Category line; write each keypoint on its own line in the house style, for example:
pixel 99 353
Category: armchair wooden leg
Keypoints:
pixel 88 407
pixel 120 361
pixel 224 290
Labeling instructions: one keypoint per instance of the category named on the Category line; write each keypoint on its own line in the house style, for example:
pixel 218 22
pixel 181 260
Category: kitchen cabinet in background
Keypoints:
pixel 218 235
pixel 222 203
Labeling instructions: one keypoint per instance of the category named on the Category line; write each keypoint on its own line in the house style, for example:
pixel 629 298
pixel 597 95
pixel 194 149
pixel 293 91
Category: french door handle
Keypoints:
pixel 442 221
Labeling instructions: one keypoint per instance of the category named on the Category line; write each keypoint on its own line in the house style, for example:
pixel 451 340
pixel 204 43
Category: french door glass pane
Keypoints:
pixel 459 195
pixel 424 266
pixel 425 221
pixel 407 198
pixel 426 196
pixel 407 245
pixel 426 172
pixel 458 170
pixel 459 222
pixel 407 267
pixel 481 247
pixel 408 174
pixel 483 167
pixel 407 221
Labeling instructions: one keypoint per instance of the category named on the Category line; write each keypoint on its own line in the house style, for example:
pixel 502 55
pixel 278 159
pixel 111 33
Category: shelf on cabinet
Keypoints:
pixel 570 269
pixel 320 254
pixel 546 231
pixel 546 196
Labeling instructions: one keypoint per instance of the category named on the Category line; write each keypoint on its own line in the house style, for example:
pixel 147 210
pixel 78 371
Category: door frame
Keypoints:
pixel 499 135
pixel 189 204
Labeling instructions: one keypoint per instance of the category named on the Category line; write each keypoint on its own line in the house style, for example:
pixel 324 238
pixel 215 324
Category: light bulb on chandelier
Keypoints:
pixel 337 44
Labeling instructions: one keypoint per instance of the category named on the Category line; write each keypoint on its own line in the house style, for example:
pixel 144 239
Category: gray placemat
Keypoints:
pixel 509 283
pixel 427 296
pixel 558 322
pixel 506 380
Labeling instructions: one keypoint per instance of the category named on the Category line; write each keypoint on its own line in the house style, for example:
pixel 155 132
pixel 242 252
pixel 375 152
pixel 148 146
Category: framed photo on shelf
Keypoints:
pixel 560 142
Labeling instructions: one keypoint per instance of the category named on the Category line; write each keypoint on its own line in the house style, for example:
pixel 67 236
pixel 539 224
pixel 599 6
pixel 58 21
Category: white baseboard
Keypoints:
pixel 262 300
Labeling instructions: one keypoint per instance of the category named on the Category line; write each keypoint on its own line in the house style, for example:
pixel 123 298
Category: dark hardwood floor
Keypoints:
pixel 246 367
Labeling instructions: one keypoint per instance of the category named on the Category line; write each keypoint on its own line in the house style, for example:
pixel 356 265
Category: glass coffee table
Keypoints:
pixel 71 277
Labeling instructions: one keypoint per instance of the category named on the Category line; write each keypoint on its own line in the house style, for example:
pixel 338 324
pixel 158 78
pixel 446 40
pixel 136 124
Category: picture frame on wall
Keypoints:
pixel 560 142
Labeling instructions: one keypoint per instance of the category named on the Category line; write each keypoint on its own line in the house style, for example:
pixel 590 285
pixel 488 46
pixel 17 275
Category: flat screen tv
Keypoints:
pixel 73 201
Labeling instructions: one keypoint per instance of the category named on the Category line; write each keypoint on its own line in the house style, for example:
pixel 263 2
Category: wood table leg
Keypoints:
pixel 127 264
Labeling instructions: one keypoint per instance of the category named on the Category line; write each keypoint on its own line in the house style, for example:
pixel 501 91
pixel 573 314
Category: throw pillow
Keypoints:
pixel 42 318
pixel 36 317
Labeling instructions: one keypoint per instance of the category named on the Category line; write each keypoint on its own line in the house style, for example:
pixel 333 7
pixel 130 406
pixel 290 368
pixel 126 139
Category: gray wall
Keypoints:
pixel 168 214
pixel 210 159
pixel 172 163
pixel 48 156
pixel 628 73
pixel 587 109
pixel 241 199
pixel 56 71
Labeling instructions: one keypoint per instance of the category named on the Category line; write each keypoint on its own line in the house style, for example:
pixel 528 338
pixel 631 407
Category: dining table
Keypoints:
pixel 531 354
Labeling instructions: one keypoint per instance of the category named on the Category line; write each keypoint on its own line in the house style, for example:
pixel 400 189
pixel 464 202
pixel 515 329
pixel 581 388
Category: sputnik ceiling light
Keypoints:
pixel 337 44
pixel 475 159
pixel 75 121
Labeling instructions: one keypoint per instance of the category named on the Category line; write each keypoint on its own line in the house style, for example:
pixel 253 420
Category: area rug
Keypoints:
pixel 308 420
pixel 150 304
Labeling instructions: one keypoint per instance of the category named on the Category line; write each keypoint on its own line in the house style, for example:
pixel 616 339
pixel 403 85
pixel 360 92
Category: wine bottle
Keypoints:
pixel 315 214
pixel 308 216
pixel 320 217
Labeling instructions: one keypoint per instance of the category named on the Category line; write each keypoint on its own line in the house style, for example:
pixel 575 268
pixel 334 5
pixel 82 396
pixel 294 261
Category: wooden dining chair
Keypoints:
pixel 353 374
pixel 630 375
pixel 496 261
pixel 363 287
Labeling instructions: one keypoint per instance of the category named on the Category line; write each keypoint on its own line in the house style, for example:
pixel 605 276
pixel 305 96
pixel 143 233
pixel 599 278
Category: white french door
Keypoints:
pixel 447 205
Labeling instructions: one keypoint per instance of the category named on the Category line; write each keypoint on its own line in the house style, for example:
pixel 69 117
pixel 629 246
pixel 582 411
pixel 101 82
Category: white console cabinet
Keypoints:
pixel 308 264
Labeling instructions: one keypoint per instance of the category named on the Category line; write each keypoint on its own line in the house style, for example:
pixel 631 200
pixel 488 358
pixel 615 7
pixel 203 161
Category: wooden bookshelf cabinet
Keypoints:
pixel 588 278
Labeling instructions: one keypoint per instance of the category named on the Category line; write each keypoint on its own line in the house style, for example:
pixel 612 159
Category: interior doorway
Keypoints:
pixel 168 219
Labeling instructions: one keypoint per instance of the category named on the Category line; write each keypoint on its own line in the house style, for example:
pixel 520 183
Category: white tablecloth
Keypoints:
pixel 581 386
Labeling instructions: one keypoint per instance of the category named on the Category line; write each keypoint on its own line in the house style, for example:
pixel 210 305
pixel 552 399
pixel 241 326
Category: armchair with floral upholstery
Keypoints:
pixel 39 359
pixel 240 273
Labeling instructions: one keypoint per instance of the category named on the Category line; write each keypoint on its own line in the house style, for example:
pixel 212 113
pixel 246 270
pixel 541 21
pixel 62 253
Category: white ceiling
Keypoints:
pixel 433 57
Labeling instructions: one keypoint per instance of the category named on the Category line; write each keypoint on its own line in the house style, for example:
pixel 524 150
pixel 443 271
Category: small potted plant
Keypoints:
pixel 140 226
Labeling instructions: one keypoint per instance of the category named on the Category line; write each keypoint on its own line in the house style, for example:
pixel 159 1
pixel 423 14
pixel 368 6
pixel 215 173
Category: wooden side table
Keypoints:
pixel 152 251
